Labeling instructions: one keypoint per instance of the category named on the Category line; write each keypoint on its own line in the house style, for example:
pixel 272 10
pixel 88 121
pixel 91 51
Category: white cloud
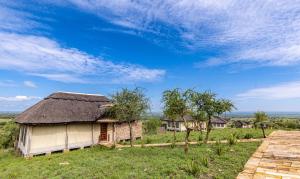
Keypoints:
pixel 259 32
pixel 8 83
pixel 30 84
pixel 289 90
pixel 17 103
pixel 18 98
pixel 44 57
pixel 41 56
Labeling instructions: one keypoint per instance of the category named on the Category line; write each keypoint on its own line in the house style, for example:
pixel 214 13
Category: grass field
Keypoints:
pixel 100 162
pixel 216 134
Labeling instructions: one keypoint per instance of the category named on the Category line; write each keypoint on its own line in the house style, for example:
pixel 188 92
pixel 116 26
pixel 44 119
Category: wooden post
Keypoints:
pixel 114 136
pixel 28 138
pixel 92 133
pixel 66 140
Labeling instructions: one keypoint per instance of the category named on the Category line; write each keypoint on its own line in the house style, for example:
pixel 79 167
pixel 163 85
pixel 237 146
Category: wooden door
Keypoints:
pixel 103 132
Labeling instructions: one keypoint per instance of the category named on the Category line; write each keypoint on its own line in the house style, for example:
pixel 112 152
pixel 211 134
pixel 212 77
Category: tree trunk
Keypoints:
pixel 130 131
pixel 174 133
pixel 263 130
pixel 186 146
pixel 208 130
pixel 200 134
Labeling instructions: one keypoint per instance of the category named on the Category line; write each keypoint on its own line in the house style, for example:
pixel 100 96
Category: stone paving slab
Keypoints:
pixel 278 157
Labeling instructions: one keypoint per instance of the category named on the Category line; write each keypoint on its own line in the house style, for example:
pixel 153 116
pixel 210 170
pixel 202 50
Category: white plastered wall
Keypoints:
pixel 79 135
pixel 45 139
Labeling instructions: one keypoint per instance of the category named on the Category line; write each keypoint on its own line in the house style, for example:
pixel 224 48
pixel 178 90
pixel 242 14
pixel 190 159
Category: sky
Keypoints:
pixel 247 51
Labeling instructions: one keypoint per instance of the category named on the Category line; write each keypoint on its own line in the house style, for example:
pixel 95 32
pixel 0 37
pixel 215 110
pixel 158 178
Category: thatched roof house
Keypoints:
pixel 219 122
pixel 179 125
pixel 63 121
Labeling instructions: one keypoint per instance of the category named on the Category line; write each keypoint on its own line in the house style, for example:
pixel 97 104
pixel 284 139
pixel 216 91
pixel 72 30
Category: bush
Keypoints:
pixel 204 161
pixel 8 134
pixel 248 136
pixel 193 168
pixel 148 141
pixel 232 139
pixel 151 125
pixel 218 148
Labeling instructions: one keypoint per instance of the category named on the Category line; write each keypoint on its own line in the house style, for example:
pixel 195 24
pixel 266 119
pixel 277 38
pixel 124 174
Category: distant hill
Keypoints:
pixel 271 114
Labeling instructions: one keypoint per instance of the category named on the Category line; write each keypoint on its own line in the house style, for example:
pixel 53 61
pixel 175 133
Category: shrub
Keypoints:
pixel 8 134
pixel 200 137
pixel 232 139
pixel 218 148
pixel 148 141
pixel 193 168
pixel 204 161
pixel 151 125
pixel 248 136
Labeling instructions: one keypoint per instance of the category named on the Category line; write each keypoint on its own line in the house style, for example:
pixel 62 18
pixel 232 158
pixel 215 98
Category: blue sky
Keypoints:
pixel 247 51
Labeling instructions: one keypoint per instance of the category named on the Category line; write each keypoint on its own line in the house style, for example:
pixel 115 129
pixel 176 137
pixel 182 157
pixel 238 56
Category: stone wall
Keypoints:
pixel 123 133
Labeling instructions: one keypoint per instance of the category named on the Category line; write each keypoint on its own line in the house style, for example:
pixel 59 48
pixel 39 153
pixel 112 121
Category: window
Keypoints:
pixel 177 124
pixel 169 124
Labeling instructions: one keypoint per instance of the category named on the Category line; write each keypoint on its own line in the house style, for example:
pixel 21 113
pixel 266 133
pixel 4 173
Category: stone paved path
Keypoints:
pixel 278 157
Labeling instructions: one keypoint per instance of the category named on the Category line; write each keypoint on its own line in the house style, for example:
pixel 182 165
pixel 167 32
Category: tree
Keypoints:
pixel 129 106
pixel 197 113
pixel 175 107
pixel 207 105
pixel 260 119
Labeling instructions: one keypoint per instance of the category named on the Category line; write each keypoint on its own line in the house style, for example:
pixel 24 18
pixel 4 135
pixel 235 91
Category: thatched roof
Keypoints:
pixel 219 120
pixel 186 117
pixel 64 107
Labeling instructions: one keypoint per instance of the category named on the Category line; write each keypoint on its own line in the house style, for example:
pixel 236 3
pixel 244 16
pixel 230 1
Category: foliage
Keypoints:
pixel 176 107
pixel 129 106
pixel 218 148
pixel 248 136
pixel 8 134
pixel 204 161
pixel 151 125
pixel 206 105
pixel 193 168
pixel 147 162
pixel 232 139
pixel 221 134
pixel 261 119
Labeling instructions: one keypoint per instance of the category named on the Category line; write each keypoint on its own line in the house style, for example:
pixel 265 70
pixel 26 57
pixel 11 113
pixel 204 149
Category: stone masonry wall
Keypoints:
pixel 123 133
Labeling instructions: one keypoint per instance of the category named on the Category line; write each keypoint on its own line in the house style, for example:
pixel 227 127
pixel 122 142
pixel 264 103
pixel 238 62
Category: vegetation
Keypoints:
pixel 8 134
pixel 260 120
pixel 175 107
pixel 216 134
pixel 151 125
pixel 129 106
pixel 100 162
pixel 210 105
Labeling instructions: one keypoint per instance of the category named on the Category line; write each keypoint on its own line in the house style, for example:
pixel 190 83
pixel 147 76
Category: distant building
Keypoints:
pixel 64 121
pixel 219 122
pixel 179 125
pixel 242 124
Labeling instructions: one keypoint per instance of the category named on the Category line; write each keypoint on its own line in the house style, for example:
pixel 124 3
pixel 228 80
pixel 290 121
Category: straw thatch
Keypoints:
pixel 179 119
pixel 65 108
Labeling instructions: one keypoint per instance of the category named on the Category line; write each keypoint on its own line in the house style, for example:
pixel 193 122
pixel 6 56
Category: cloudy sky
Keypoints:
pixel 244 50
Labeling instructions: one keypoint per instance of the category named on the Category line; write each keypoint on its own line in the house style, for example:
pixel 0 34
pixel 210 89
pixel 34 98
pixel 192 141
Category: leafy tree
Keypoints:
pixel 8 134
pixel 175 107
pixel 197 113
pixel 260 119
pixel 151 125
pixel 129 106
pixel 206 106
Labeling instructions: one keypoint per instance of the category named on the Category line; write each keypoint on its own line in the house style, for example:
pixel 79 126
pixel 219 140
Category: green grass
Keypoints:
pixel 100 162
pixel 216 134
